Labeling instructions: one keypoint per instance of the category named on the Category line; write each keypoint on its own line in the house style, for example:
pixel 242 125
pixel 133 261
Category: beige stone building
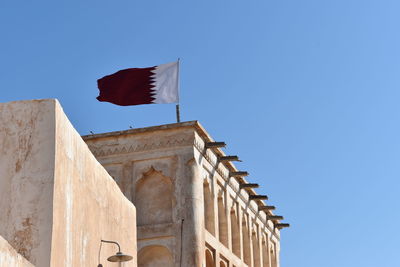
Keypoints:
pixel 168 194
pixel 194 208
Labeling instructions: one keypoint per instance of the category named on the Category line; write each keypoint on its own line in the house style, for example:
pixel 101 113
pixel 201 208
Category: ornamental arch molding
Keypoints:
pixel 153 198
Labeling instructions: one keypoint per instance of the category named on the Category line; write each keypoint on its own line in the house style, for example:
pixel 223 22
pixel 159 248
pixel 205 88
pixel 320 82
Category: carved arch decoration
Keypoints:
pixel 153 198
pixel 155 256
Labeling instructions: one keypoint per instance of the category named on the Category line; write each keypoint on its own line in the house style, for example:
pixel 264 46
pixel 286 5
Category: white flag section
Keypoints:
pixel 166 83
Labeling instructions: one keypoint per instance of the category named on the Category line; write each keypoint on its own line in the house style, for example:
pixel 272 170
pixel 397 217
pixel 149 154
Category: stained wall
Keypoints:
pixel 58 201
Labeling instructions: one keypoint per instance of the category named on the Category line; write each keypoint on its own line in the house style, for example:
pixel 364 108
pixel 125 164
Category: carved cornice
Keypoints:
pixel 144 145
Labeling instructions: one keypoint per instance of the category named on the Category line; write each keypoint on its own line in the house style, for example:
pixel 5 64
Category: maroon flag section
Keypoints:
pixel 136 86
pixel 127 87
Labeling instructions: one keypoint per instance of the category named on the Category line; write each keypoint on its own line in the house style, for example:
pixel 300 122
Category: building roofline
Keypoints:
pixel 196 124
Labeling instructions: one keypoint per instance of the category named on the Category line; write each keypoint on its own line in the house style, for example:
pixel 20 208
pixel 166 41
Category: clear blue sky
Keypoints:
pixel 305 92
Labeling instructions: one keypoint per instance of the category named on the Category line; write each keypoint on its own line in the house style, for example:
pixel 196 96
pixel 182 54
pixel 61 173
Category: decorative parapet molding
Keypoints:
pixel 146 145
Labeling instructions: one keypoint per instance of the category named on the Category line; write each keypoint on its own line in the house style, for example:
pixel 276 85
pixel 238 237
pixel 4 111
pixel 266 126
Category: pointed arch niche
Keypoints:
pixel 153 198
pixel 235 232
pixel 209 216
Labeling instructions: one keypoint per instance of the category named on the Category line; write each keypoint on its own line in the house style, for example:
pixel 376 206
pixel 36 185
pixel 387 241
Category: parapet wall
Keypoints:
pixel 58 201
pixel 27 148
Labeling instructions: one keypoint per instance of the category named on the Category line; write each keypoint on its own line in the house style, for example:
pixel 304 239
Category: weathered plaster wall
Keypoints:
pixel 88 205
pixel 58 202
pixel 27 148
pixel 9 257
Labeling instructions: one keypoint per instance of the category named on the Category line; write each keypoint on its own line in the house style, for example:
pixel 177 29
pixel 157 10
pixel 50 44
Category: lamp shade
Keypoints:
pixel 120 257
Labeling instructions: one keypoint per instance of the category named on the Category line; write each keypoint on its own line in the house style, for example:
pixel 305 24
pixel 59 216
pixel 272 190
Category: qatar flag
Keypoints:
pixel 136 86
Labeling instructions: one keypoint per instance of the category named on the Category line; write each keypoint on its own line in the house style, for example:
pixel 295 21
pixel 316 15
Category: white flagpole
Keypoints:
pixel 178 114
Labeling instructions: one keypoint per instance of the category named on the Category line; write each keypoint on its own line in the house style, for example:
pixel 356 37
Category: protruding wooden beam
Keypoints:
pixel 266 208
pixel 228 158
pixel 215 144
pixel 274 217
pixel 239 173
pixel 258 197
pixel 248 186
pixel 281 225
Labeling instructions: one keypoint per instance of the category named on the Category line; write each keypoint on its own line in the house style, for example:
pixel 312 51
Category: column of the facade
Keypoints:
pixel 193 244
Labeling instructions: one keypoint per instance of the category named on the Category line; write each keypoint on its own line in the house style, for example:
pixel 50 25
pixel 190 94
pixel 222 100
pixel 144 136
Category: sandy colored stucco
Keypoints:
pixel 58 201
pixel 9 257
pixel 88 205
pixel 27 148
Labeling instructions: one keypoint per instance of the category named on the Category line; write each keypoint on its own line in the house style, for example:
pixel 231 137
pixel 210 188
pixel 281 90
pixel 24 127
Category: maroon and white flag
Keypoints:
pixel 136 86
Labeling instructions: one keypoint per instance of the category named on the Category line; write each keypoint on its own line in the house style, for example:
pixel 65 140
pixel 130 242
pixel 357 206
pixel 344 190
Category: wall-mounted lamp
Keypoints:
pixel 118 257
